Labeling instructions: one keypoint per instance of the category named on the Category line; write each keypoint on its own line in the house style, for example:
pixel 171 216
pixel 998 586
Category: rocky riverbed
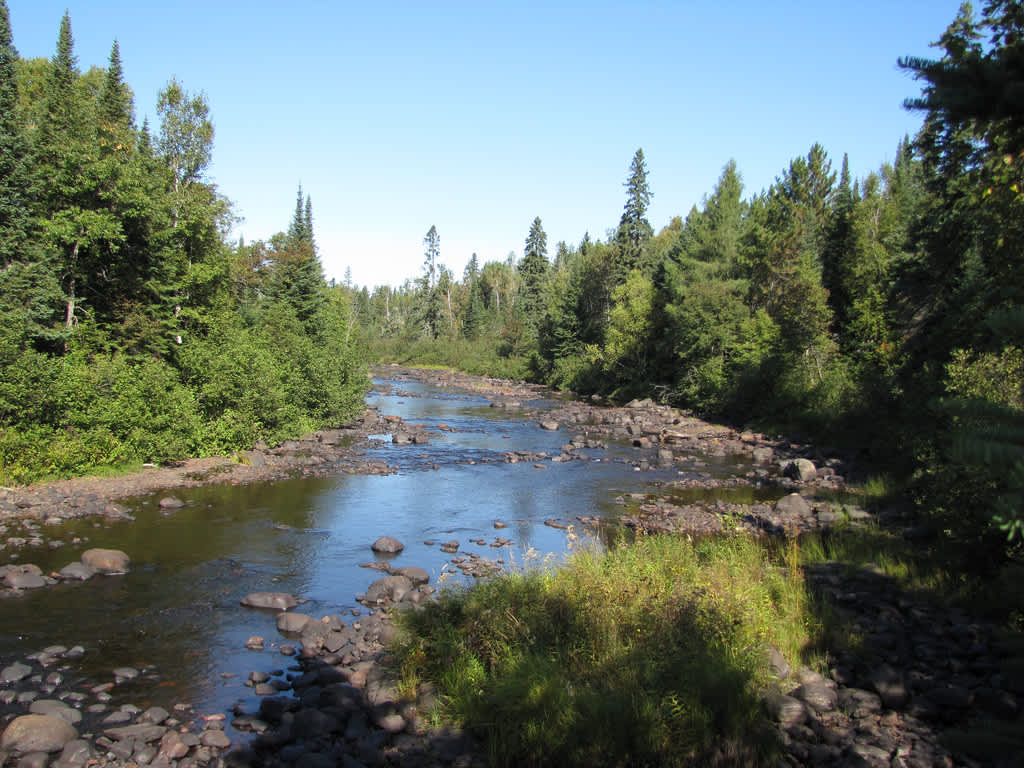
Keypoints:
pixel 327 695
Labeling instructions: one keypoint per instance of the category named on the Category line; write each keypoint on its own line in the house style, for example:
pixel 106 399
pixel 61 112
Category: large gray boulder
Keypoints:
pixel 37 733
pixel 275 601
pixel 108 561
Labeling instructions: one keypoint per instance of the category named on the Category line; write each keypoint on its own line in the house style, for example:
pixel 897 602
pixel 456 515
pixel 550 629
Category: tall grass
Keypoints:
pixel 652 653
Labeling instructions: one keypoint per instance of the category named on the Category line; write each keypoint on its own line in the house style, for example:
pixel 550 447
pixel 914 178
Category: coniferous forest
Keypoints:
pixel 879 315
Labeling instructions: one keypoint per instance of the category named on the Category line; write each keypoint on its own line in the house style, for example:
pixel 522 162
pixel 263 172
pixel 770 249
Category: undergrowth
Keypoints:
pixel 650 653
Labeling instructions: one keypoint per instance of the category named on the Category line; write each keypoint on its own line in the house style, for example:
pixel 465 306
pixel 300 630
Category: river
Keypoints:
pixel 177 615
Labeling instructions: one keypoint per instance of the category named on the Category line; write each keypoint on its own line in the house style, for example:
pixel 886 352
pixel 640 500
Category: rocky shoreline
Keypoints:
pixel 920 672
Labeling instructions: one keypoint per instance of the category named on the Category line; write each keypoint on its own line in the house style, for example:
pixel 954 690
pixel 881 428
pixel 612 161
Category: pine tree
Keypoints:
pixel 634 228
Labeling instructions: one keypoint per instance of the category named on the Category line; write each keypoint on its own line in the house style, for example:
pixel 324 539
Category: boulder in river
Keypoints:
pixel 390 588
pixel 275 601
pixel 37 733
pixel 77 572
pixel 26 576
pixel 387 545
pixel 108 561
pixel 293 623
pixel 171 502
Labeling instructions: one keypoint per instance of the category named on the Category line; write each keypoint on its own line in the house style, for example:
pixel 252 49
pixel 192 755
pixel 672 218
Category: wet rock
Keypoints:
pixel 139 733
pixel 549 425
pixel 26 576
pixel 387 545
pixel 390 588
pixel 276 601
pixel 77 572
pixel 106 561
pixel 77 753
pixel 294 623
pixel 15 672
pixel 215 739
pixel 37 733
pixel 254 643
pixel 170 502
pixel 55 708
pixel 414 573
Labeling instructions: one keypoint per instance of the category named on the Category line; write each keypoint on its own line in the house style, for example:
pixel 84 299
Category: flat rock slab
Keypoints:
pixel 37 733
pixel 143 732
pixel 275 601
pixel 24 577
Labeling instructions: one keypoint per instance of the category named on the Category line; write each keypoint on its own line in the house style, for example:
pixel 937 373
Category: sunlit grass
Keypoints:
pixel 649 653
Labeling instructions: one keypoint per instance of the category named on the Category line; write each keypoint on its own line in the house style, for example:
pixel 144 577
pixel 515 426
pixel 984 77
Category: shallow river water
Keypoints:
pixel 178 613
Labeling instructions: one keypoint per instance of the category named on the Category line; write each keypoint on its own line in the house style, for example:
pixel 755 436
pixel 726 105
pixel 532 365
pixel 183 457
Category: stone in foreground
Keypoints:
pixel 37 733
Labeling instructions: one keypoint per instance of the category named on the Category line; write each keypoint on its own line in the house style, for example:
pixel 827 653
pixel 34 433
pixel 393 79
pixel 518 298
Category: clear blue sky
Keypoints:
pixel 478 117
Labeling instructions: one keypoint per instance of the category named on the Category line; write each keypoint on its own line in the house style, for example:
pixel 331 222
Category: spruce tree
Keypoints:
pixel 14 164
pixel 533 272
pixel 634 228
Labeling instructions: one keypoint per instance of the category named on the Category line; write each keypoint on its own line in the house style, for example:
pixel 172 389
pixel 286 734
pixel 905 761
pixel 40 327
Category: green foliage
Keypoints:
pixel 129 330
pixel 648 654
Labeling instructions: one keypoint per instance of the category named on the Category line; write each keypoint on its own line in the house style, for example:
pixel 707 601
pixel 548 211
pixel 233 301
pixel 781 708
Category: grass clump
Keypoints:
pixel 651 653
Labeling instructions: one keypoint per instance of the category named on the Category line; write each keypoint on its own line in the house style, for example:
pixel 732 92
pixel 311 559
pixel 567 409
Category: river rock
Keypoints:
pixel 793 505
pixel 549 425
pixel 15 672
pixel 77 572
pixel 26 576
pixel 37 733
pixel 294 623
pixel 141 732
pixel 414 573
pixel 387 545
pixel 393 588
pixel 107 561
pixel 170 502
pixel 275 601
pixel 76 754
pixel 55 708
pixel 800 469
pixel 785 710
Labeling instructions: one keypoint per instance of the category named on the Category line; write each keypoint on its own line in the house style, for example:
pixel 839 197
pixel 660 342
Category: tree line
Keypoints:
pixel 131 329
pixel 881 313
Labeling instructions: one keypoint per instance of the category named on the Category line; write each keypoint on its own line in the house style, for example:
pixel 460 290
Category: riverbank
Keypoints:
pixel 916 672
